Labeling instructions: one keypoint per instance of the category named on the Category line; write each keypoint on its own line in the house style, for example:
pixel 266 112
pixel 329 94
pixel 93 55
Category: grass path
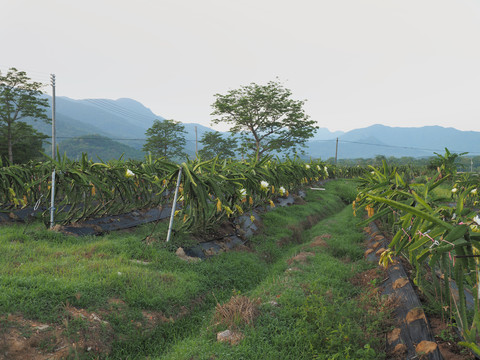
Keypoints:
pixel 309 308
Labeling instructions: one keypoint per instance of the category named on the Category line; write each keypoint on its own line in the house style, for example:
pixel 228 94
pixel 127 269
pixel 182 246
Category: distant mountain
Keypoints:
pixel 117 119
pixel 325 134
pixel 98 147
pixel 426 137
pixel 126 120
pixel 194 138
pixel 120 120
pixel 396 141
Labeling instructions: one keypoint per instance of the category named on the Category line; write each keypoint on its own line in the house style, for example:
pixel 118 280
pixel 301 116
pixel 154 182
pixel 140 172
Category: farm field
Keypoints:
pixel 234 200
pixel 120 296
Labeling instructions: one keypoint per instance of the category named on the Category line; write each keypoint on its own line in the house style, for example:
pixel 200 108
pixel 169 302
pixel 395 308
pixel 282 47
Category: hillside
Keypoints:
pixel 123 120
pixel 396 141
pixel 98 147
pixel 126 120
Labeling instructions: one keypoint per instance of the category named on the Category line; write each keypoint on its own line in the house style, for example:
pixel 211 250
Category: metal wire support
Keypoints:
pixel 172 215
pixel 52 203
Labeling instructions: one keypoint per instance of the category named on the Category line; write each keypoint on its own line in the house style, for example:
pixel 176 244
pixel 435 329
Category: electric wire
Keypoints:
pixel 110 104
pixel 395 146
pixel 121 111
pixel 38 76
pixel 112 107
pixel 105 138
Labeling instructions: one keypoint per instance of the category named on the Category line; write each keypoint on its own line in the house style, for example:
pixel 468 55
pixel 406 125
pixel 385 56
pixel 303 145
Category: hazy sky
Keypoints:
pixel 356 62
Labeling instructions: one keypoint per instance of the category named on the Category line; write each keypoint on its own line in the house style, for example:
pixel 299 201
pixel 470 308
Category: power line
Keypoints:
pixel 106 138
pixel 112 107
pixel 395 146
pixel 37 75
pixel 110 110
pixel 97 138
pixel 344 141
pixel 399 147
pixel 111 104
pixel 119 110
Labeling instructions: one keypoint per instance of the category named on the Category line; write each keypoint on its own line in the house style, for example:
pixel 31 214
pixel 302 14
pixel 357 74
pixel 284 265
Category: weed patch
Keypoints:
pixel 238 312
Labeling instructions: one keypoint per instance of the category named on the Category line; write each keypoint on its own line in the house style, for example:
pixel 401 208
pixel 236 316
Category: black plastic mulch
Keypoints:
pixel 412 327
pixel 116 222
pixel 21 215
pixel 244 225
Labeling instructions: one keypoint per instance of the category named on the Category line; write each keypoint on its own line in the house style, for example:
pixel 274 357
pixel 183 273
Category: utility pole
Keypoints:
pixel 52 200
pixel 336 152
pixel 52 78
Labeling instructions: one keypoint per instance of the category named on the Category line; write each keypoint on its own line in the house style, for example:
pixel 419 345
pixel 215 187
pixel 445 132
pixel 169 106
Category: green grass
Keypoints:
pixel 320 314
pixel 44 274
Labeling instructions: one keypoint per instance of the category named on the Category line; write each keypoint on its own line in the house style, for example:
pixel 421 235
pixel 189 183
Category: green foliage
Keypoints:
pixel 446 164
pixel 166 139
pixel 215 145
pixel 346 189
pixel 210 190
pixel 433 235
pixel 27 143
pixel 20 98
pixel 266 118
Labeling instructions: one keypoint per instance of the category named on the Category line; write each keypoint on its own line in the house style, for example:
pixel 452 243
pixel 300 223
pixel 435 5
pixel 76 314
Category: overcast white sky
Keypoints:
pixel 356 62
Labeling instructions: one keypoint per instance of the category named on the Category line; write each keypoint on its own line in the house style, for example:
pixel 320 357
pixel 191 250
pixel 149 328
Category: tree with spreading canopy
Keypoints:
pixel 20 98
pixel 166 139
pixel 214 144
pixel 266 118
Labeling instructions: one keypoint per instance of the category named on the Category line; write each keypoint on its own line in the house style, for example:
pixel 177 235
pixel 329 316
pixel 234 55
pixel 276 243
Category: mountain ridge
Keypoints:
pixel 126 120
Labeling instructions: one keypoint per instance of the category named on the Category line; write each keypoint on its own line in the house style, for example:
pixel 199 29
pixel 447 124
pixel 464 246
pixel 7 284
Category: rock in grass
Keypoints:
pixel 42 327
pixel 232 337
pixel 426 347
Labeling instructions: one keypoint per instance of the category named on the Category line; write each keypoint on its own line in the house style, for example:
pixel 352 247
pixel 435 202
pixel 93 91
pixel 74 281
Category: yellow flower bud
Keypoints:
pixel 385 259
pixel 239 209
pixel 228 211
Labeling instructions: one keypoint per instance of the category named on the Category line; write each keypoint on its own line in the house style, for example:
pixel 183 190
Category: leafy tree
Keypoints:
pixel 27 143
pixel 166 139
pixel 19 99
pixel 266 118
pixel 446 164
pixel 379 159
pixel 215 144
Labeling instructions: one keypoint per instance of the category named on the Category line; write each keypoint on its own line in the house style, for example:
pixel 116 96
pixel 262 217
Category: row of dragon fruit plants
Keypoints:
pixel 437 228
pixel 209 190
